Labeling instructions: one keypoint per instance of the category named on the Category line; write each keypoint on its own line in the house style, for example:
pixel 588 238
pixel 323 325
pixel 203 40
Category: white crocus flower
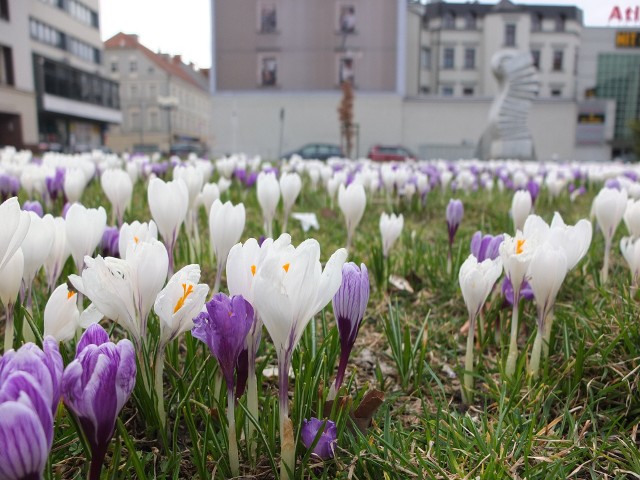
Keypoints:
pixel 61 315
pixel 210 193
pixel 547 271
pixel 84 227
pixel 352 201
pixel 75 181
pixel 290 186
pixel 609 207
pixel 630 248
pixel 520 208
pixel 135 232
pixel 631 217
pixel 15 224
pixel 108 283
pixel 36 247
pixel 10 282
pixel 268 191
pixel 390 230
pixel 118 188
pixel 476 281
pixel 226 224
pixel 168 203
pixel 290 287
pixel 573 239
pixel 58 254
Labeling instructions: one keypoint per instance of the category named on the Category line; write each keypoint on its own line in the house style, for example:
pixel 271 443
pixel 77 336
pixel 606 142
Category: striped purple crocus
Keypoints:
pixel 95 387
pixel 455 210
pixel 29 395
pixel 349 305
pixel 485 246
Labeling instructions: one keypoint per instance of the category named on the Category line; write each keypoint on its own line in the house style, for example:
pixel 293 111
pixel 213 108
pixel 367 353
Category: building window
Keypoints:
pixel 153 91
pixel 268 71
pixel 467 91
pixel 6 66
pixel 557 60
pixel 114 66
pixel 134 91
pixel 536 22
pixel 447 91
pixel 424 90
pixel 133 66
pixel 470 21
pixel 46 34
pixel 470 58
pixel 449 20
pixel 4 9
pixel 535 55
pixel 556 92
pixel 153 120
pixel 425 58
pixel 134 120
pixel 510 35
pixel 347 19
pixel 448 59
pixel 560 23
pixel 268 18
pixel 346 72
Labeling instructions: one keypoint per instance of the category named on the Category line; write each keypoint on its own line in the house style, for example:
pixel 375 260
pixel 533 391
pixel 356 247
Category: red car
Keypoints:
pixel 390 153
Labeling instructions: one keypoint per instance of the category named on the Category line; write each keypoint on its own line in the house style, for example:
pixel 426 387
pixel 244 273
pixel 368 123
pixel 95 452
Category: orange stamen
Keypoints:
pixel 136 239
pixel 285 267
pixel 253 270
pixel 519 245
pixel 70 294
pixel 186 291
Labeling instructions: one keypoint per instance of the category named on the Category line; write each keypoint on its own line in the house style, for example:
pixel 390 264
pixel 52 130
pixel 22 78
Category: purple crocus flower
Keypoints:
pixel 455 210
pixel 109 245
pixel 55 184
pixel 9 186
pixel 34 207
pixel 485 246
pixel 44 365
pixel 95 387
pixel 534 190
pixel 613 183
pixel 65 209
pixel 328 438
pixel 526 291
pixel 29 395
pixel 349 305
pixel 224 329
pixel 251 179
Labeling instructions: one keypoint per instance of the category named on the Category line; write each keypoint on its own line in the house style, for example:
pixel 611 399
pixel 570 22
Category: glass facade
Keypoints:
pixel 619 78
pixel 64 81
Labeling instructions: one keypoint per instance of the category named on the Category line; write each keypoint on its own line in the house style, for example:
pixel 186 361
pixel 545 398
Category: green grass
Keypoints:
pixel 579 420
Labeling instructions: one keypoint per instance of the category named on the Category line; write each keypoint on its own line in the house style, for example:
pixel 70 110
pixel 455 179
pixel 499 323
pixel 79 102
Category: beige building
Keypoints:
pixel 294 45
pixel 165 103
pixel 75 101
pixel 18 119
pixel 458 41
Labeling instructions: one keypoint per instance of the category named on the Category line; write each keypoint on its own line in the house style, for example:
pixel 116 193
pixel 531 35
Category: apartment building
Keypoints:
pixel 75 101
pixel 165 103
pixel 458 41
pixel 18 118
pixel 309 45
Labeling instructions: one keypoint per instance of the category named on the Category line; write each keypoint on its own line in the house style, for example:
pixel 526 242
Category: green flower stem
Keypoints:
pixel 233 442
pixel 534 364
pixel 159 370
pixel 467 389
pixel 9 327
pixel 604 273
pixel 548 323
pixel 512 356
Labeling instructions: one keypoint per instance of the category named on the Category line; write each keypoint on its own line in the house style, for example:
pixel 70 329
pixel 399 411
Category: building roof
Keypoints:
pixel 439 8
pixel 172 65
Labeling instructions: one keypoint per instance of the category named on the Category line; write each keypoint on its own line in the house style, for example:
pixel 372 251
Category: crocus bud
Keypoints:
pixel 34 207
pixel 96 385
pixel 84 227
pixel 328 436
pixel 390 230
pixel 118 188
pixel 268 191
pixel 61 315
pixel 520 208
pixel 349 305
pixel 224 328
pixel 632 217
pixel 476 281
pixel 15 224
pixel 455 210
pixel 352 201
pixel 609 206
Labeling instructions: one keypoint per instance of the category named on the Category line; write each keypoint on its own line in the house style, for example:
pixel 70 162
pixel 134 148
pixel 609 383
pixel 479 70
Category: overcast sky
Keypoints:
pixel 184 27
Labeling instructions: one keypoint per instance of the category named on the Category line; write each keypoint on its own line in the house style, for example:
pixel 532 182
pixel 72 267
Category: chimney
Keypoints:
pixel 177 59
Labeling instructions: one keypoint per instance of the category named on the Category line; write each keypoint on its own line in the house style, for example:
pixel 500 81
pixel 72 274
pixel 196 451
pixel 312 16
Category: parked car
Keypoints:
pixel 390 153
pixel 185 149
pixel 317 151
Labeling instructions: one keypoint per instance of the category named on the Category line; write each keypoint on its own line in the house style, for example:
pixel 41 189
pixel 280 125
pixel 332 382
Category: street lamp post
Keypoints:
pixel 168 104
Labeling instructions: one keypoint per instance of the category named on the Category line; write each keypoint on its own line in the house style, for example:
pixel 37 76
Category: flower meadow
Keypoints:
pixel 168 318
